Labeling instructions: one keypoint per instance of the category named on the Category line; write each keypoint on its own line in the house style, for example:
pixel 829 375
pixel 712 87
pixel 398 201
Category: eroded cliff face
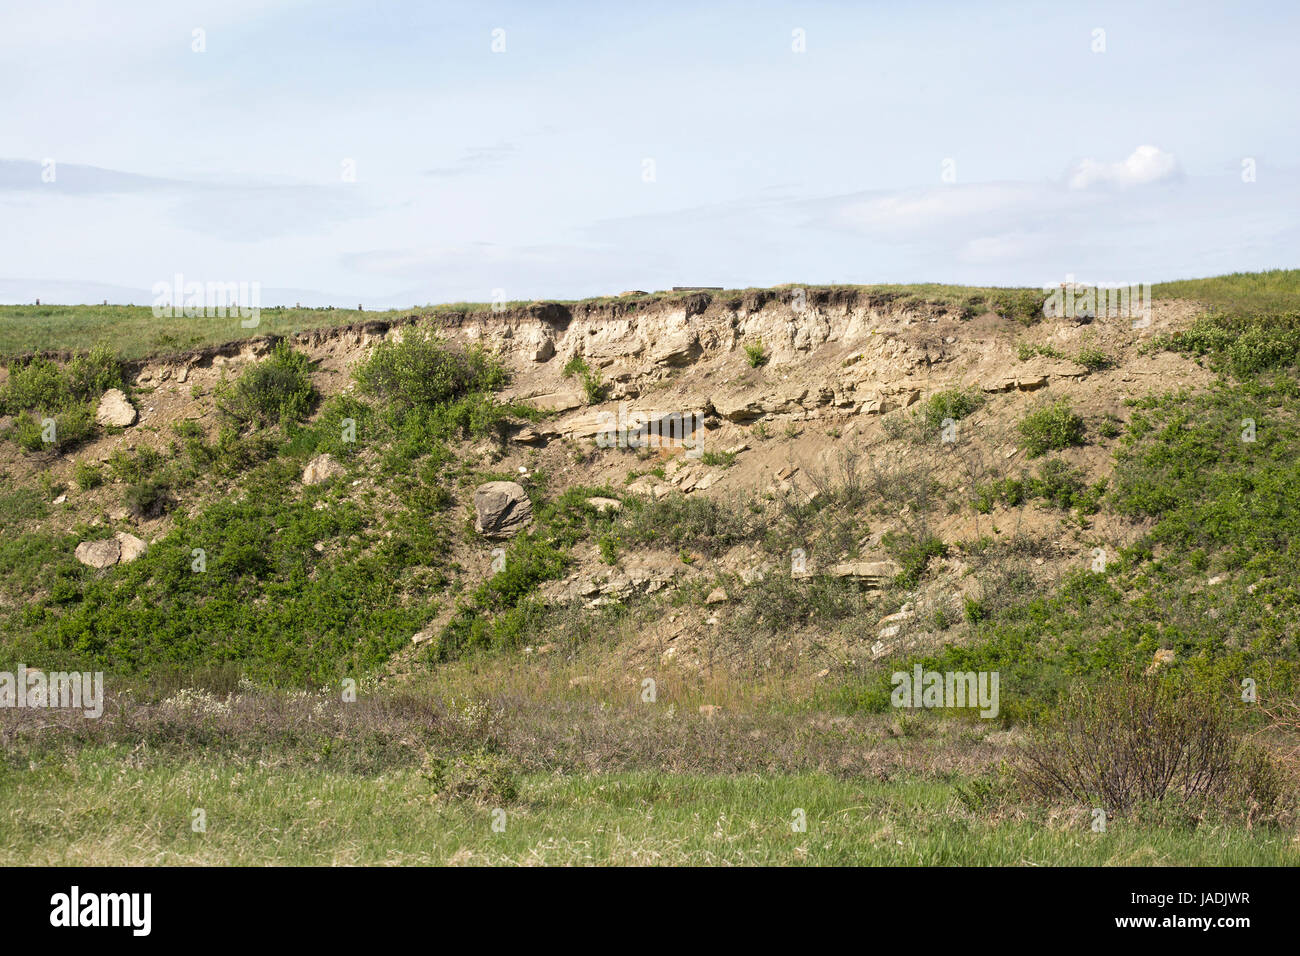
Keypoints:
pixel 825 353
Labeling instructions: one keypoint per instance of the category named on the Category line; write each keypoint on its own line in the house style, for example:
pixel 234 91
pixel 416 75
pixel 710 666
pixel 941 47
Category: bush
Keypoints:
pixel 38 385
pixel 1025 351
pixel 1051 429
pixel 756 354
pixel 1144 740
pixel 1059 483
pixel 678 522
pixel 91 374
pixel 1094 359
pixel 501 609
pixel 41 389
pixel 421 371
pixel 72 426
pixel 913 553
pixel 954 403
pixel 276 391
pixel 779 602
pixel 593 388
pixel 1009 491
pixel 481 776
pixel 1246 344
pixel 149 499
pixel 1023 305
pixel 87 476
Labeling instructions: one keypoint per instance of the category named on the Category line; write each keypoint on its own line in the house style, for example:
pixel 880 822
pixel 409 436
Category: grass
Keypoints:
pixel 93 809
pixel 1274 290
pixel 134 332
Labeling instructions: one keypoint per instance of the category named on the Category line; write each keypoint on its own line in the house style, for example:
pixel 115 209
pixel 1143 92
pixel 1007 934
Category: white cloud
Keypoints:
pixel 1147 164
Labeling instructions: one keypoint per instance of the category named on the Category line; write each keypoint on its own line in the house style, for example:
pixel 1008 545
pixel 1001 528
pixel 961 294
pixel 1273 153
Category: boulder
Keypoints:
pixel 501 509
pixel 115 409
pixel 873 574
pixel 130 546
pixel 738 408
pixel 1162 657
pixel 605 504
pixel 321 469
pixel 537 437
pixel 99 554
pixel 561 401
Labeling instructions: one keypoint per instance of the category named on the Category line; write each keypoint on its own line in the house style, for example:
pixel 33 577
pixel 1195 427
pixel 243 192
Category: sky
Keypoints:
pixel 392 154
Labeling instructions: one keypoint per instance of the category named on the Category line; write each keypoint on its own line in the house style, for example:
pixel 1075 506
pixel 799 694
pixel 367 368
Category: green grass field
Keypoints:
pixel 96 809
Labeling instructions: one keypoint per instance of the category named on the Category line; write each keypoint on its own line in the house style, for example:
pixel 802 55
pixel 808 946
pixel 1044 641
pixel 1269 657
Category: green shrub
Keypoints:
pixel 87 476
pixel 1023 305
pixel 1025 351
pixel 276 391
pixel 721 459
pixel 1058 482
pixel 1244 343
pixel 91 374
pixel 502 609
pixel 483 777
pixel 913 553
pixel 421 371
pixel 1009 491
pixel 72 426
pixel 41 389
pixel 756 354
pixel 1094 359
pixel 143 464
pixel 1110 427
pixel 40 385
pixel 149 499
pixel 1051 428
pixel 777 603
pixel 592 387
pixel 954 403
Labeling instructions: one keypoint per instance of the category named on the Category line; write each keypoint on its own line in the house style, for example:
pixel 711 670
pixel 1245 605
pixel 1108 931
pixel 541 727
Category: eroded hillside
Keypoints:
pixel 860 440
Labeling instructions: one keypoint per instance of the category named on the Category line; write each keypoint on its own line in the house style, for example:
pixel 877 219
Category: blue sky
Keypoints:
pixel 984 144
